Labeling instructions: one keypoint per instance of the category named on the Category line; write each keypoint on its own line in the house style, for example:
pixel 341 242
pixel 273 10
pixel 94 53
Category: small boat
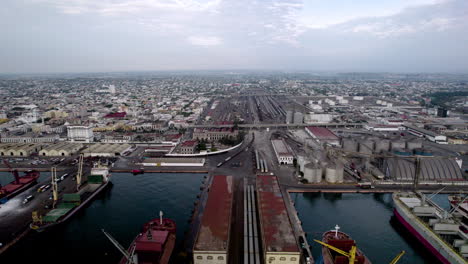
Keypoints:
pixel 341 241
pixel 138 171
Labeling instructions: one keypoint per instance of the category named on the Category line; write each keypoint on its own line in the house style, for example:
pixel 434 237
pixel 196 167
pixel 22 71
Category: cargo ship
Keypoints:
pixel 438 230
pixel 342 241
pixel 153 245
pixel 71 203
pixel 19 185
pixel 459 202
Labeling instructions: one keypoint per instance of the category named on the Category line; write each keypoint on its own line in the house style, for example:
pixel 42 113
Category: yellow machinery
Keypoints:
pixel 36 217
pixel 352 253
pixel 80 172
pixel 54 185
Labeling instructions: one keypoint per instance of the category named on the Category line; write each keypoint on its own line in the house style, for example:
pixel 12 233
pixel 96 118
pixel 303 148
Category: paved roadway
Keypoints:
pixel 15 216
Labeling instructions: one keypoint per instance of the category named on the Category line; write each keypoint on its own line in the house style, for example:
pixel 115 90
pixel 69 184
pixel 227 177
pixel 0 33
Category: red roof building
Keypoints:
pixel 323 134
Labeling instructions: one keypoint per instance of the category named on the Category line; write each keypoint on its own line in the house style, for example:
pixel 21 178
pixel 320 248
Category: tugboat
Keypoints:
pixel 339 248
pixel 154 245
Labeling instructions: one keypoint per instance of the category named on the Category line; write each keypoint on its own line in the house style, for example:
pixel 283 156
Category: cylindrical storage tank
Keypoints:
pixel 289 117
pixel 398 144
pixel 339 173
pixel 309 172
pixel 423 152
pixel 330 174
pixel 366 146
pixel 415 144
pixel 298 118
pixel 382 145
pixel 402 152
pixel 301 162
pixel 350 145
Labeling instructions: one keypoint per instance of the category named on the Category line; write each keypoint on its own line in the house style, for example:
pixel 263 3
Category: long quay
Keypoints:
pixel 279 243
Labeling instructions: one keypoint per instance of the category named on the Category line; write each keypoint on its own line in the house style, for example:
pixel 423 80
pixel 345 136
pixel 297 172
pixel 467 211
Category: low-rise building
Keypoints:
pixel 323 134
pixel 214 133
pixel 80 134
pixel 283 151
pixel 188 147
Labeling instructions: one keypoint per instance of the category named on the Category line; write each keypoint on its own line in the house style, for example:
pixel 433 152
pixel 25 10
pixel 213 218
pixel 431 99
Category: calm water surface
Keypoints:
pixel 367 218
pixel 121 210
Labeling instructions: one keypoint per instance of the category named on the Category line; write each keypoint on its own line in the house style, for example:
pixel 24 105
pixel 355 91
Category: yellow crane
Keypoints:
pixel 351 255
pixel 54 185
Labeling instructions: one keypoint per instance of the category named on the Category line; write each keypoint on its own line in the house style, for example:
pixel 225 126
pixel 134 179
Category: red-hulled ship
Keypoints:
pixel 344 242
pixel 153 245
pixel 19 185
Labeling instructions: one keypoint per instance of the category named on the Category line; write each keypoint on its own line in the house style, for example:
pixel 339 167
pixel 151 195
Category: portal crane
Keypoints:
pixel 13 171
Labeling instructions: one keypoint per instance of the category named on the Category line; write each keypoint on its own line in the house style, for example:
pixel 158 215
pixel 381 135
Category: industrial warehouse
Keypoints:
pixel 106 150
pixel 183 162
pixel 212 242
pixel 278 240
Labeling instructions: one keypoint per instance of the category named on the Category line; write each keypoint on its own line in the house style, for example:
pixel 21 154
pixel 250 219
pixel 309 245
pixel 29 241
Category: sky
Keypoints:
pixel 50 36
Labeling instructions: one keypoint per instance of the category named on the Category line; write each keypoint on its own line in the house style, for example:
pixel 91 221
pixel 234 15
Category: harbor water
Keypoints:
pixel 367 218
pixel 121 210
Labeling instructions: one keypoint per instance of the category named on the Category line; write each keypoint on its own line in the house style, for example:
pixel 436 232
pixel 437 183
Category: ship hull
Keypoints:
pixel 327 255
pixel 426 236
pixel 72 212
pixel 20 190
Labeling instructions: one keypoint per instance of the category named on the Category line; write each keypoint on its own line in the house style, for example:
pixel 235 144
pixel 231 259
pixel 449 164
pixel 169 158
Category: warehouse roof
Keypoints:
pixel 322 133
pixel 432 169
pixel 276 228
pixel 280 146
pixel 216 219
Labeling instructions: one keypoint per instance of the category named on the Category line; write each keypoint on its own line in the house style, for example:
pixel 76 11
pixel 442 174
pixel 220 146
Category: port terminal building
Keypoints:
pixel 278 240
pixel 212 241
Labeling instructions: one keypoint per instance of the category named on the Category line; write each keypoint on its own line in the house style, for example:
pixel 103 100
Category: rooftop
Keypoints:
pixel 322 133
pixel 276 228
pixel 216 219
pixel 280 146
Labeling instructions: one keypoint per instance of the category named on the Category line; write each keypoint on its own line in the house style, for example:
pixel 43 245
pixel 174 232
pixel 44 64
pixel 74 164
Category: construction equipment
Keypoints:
pixel 80 172
pixel 397 258
pixel 352 253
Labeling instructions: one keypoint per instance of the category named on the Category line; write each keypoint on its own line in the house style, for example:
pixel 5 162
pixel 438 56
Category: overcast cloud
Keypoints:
pixel 316 35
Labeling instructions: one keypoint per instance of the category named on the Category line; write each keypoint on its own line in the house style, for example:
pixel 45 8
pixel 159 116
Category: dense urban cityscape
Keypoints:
pixel 234 132
pixel 257 138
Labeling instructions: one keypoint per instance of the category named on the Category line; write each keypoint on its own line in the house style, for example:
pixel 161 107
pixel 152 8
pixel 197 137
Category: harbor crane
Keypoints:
pixel 351 255
pixel 54 185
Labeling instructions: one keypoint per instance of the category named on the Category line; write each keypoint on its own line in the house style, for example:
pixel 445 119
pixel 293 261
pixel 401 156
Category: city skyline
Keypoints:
pixel 54 36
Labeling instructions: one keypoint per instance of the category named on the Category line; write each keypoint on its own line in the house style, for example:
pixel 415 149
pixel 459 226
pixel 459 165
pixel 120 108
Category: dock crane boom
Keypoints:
pixel 352 253
pixel 13 171
pixel 130 256
pixel 80 172
pixel 54 185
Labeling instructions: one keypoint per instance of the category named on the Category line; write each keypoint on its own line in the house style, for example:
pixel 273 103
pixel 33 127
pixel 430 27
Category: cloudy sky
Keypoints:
pixel 316 35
